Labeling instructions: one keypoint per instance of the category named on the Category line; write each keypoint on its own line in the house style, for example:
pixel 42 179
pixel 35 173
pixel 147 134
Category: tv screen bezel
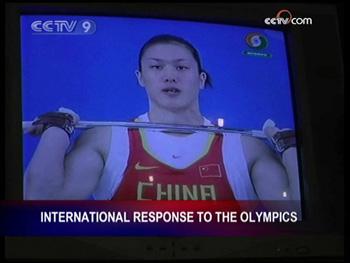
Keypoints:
pixel 324 222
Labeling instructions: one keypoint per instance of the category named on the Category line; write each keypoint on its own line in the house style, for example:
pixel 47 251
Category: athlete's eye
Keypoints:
pixel 182 68
pixel 156 67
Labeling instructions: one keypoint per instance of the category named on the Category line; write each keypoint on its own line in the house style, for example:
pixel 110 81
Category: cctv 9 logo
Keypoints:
pixel 64 27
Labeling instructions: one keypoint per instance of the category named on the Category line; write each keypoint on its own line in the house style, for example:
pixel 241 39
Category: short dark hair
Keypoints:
pixel 165 38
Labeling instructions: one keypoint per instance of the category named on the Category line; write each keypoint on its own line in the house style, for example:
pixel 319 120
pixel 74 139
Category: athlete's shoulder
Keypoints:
pixel 254 148
pixel 96 137
pixel 97 132
pixel 252 142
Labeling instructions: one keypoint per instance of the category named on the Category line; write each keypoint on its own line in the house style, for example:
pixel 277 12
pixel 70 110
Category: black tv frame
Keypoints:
pixel 318 87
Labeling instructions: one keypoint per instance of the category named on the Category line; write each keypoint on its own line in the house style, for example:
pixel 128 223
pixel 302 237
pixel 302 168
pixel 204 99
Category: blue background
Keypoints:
pixel 93 74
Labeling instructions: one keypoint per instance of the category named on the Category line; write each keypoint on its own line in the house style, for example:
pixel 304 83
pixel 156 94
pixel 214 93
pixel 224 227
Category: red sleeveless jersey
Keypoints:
pixel 147 178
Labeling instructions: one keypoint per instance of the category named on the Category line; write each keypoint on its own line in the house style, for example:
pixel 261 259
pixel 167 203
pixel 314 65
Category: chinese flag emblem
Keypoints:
pixel 210 170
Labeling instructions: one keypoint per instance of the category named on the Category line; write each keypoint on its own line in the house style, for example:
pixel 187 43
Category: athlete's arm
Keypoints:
pixel 290 162
pixel 53 174
pixel 272 178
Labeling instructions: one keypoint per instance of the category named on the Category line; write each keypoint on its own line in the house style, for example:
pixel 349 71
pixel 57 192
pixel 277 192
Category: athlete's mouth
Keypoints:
pixel 171 90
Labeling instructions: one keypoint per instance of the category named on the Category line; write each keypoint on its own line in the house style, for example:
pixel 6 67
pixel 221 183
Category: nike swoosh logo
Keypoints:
pixel 138 166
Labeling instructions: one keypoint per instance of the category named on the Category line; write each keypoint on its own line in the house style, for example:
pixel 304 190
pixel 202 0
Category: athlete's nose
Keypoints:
pixel 169 75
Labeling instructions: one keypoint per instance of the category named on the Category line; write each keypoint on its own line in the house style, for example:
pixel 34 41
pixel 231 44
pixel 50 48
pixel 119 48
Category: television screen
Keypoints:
pixel 163 125
pixel 93 73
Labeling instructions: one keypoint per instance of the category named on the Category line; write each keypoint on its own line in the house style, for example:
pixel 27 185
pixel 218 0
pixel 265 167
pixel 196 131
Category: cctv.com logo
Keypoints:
pixel 285 17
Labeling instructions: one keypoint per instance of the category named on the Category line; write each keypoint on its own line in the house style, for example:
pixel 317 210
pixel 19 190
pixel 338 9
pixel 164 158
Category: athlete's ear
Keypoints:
pixel 139 78
pixel 203 78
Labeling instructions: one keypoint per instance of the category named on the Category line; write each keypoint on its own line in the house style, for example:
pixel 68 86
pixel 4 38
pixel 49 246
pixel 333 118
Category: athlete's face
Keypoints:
pixel 171 76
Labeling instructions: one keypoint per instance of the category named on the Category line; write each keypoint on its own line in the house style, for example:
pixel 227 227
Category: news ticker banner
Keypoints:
pixel 148 218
